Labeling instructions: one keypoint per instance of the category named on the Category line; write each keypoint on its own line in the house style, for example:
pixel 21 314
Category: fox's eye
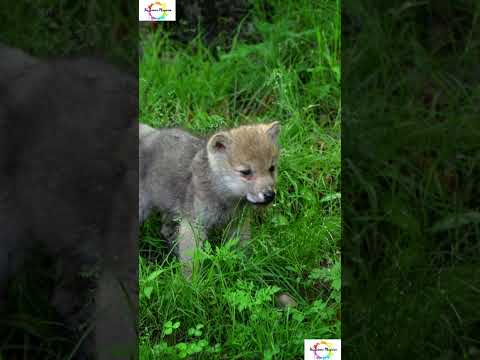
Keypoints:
pixel 247 172
pixel 272 168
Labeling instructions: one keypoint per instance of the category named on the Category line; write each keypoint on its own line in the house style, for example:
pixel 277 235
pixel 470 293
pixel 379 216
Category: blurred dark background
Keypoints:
pixel 410 162
pixel 48 28
pixel 216 22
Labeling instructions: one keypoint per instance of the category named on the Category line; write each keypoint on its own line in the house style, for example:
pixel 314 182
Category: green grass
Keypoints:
pixel 410 166
pixel 293 76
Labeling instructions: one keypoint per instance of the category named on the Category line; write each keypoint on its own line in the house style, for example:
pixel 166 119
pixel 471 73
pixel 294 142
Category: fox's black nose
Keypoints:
pixel 268 196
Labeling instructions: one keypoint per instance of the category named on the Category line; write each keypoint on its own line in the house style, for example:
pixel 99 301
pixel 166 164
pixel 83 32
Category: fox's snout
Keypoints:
pixel 269 196
pixel 263 198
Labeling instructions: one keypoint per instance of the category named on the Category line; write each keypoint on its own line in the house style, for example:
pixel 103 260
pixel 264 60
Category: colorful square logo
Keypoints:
pixel 161 10
pixel 322 349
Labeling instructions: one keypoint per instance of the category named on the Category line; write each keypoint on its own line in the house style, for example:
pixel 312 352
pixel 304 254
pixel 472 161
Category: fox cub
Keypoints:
pixel 205 182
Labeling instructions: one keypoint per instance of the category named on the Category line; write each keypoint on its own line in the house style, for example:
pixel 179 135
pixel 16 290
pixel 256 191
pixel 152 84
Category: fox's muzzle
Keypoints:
pixel 261 198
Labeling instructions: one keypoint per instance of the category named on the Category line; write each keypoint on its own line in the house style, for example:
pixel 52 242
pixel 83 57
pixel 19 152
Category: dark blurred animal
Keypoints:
pixel 68 186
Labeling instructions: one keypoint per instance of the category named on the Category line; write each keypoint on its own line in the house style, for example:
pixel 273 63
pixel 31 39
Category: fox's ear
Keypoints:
pixel 273 130
pixel 219 142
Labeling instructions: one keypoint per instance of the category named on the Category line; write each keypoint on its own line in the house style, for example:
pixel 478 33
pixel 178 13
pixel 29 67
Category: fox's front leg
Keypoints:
pixel 242 231
pixel 190 237
pixel 245 233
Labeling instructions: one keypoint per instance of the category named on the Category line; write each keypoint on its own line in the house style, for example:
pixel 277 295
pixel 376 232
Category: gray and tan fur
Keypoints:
pixel 204 182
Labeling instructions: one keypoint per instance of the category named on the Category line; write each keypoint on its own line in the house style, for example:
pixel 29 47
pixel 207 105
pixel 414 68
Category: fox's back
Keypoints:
pixel 165 159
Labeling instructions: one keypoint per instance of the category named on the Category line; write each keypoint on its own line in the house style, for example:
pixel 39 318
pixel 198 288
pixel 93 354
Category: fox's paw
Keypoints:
pixel 284 300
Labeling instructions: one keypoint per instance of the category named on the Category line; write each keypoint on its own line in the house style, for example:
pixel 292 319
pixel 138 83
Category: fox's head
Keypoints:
pixel 244 161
